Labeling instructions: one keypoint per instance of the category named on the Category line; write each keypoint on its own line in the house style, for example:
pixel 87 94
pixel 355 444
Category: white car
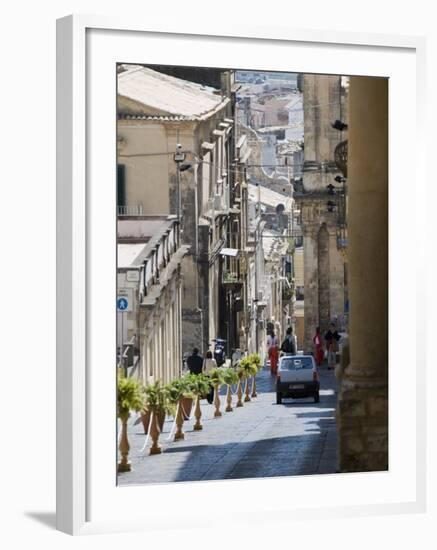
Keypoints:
pixel 297 377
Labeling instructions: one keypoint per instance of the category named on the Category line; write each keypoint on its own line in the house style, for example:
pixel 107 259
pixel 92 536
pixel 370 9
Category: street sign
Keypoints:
pixel 122 304
pixel 125 299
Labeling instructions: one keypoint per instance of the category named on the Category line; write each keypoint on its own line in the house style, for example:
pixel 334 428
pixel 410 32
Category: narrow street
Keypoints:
pixel 261 439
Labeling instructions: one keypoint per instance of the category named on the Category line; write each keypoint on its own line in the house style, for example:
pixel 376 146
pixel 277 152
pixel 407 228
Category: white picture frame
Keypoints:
pixel 76 234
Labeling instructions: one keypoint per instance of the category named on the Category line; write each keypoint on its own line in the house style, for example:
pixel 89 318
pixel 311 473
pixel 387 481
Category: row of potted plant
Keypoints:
pixel 155 401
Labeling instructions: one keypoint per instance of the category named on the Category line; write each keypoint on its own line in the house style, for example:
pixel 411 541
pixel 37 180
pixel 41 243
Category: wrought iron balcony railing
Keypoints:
pixel 340 157
pixel 130 210
pixel 231 278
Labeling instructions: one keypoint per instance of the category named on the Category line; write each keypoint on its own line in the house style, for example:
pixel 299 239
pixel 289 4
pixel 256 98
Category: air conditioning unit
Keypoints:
pixel 217 202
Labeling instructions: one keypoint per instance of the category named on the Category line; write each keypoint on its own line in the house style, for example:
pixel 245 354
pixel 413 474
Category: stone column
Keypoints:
pixel 336 276
pixel 321 107
pixel 311 285
pixel 178 321
pixel 323 270
pixel 363 399
pixel 156 345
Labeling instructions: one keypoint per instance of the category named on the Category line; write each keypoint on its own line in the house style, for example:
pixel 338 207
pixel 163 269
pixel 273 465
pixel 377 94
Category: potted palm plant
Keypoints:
pixel 181 392
pixel 187 399
pixel 145 419
pixel 130 396
pixel 199 387
pixel 180 396
pixel 246 370
pixel 216 378
pixel 255 360
pixel 230 377
pixel 240 376
pixel 158 403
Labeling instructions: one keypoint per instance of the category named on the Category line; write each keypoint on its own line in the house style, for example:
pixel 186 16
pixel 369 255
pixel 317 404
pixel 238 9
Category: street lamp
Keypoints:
pixel 330 189
pixel 339 125
pixel 185 166
pixel 179 158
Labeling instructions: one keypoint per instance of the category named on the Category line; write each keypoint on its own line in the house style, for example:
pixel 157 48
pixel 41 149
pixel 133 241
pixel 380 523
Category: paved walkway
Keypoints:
pixel 261 439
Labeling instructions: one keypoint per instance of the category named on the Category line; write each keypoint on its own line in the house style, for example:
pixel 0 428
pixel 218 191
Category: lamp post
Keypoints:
pixel 178 157
pixel 339 125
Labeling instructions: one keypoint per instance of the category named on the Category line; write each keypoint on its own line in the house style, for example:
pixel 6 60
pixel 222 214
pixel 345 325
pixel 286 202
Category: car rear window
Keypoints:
pixel 295 363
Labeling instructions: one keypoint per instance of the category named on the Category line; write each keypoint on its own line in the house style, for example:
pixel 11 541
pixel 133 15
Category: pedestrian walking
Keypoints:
pixel 209 364
pixel 273 351
pixel 318 347
pixel 288 346
pixel 195 362
pixel 331 339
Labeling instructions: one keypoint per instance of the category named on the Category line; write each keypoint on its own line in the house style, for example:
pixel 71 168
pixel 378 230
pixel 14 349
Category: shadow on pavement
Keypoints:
pixel 272 457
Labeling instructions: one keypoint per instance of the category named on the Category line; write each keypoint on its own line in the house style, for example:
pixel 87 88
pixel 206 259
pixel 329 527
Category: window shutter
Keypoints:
pixel 121 185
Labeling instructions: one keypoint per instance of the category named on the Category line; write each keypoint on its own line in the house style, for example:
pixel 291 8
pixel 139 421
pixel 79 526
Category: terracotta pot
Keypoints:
pixel 187 404
pixel 146 420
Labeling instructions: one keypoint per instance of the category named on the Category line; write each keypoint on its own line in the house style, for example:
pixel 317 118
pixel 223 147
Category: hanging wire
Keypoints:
pixel 231 170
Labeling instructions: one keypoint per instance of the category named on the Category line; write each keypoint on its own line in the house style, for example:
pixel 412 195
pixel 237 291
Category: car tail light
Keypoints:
pixel 315 376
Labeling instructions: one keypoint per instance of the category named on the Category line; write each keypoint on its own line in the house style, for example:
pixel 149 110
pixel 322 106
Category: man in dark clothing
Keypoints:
pixel 288 345
pixel 195 362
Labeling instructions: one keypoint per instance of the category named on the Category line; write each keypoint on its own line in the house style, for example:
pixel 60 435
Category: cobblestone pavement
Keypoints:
pixel 261 439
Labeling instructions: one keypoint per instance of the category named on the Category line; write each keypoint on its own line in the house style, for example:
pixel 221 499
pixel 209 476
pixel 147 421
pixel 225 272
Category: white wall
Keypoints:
pixel 28 421
pixel 146 176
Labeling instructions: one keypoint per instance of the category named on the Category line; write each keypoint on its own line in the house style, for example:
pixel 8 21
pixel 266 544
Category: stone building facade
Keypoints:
pixel 247 262
pixel 156 112
pixel 325 268
pixel 149 264
pixel 257 267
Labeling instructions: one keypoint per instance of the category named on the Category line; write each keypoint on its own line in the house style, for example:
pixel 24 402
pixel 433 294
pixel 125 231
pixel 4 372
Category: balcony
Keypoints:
pixel 287 294
pixel 130 210
pixel 231 280
pixel 341 156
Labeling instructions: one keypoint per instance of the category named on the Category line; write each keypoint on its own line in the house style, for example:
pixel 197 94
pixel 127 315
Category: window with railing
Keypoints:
pixel 231 277
pixel 130 209
pixel 165 247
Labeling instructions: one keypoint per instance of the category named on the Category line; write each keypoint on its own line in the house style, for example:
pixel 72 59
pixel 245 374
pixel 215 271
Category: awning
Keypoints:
pixel 229 252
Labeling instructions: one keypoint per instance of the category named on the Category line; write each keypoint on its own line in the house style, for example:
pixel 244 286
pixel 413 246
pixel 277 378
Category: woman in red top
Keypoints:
pixel 273 352
pixel 318 347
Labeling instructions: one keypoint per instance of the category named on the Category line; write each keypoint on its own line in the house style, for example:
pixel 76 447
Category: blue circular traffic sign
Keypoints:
pixel 122 304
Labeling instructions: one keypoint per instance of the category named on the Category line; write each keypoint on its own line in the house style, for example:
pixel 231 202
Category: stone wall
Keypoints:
pixel 362 417
pixel 322 105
